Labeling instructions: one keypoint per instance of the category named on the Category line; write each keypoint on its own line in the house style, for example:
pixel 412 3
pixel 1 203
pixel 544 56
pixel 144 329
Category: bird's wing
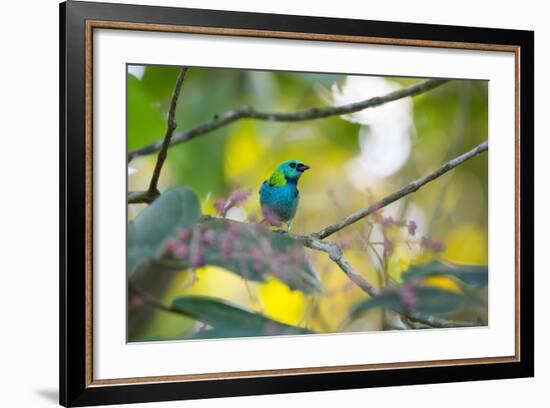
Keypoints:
pixel 264 185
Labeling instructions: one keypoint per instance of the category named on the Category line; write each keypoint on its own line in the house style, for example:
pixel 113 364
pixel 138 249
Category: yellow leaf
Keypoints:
pixel 466 244
pixel 282 303
pixel 443 282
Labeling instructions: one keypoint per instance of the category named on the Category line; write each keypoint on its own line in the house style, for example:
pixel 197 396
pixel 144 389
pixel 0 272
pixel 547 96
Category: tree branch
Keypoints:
pixel 147 196
pixel 169 132
pixel 152 192
pixel 247 112
pixel 412 187
pixel 335 254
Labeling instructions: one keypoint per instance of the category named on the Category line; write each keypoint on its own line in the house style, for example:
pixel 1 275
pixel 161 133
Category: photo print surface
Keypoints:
pixel 266 203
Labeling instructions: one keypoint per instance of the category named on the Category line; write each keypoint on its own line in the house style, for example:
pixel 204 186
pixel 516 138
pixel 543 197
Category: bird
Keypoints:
pixel 279 195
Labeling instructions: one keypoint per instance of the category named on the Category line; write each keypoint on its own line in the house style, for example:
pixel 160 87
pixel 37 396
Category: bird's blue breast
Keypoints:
pixel 281 200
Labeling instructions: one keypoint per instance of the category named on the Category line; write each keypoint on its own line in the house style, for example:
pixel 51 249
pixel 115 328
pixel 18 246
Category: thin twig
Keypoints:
pixel 335 254
pixel 247 112
pixel 412 187
pixel 152 192
pixel 147 197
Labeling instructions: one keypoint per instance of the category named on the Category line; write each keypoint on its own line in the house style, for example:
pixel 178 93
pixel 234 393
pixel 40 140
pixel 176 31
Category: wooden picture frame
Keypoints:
pixel 78 20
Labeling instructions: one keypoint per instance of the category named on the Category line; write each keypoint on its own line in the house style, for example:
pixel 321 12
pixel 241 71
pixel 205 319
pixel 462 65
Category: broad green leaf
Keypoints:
pixel 175 209
pixel 145 119
pixel 256 252
pixel 430 301
pixel 473 275
pixel 229 320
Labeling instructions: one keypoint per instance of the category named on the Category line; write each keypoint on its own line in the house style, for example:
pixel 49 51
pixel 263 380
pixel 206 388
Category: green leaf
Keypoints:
pixel 430 300
pixel 230 320
pixel 473 275
pixel 175 209
pixel 145 119
pixel 257 252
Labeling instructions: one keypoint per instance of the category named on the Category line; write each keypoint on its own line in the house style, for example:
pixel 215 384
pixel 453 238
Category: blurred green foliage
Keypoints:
pixel 447 121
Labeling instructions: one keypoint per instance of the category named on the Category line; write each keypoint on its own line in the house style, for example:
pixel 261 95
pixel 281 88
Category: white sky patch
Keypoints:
pixel 136 70
pixel 385 134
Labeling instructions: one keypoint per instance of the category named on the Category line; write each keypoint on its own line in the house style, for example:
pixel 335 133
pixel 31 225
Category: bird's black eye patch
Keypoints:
pixel 293 165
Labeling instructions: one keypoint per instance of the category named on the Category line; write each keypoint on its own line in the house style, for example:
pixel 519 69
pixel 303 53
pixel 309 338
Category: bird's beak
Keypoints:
pixel 302 167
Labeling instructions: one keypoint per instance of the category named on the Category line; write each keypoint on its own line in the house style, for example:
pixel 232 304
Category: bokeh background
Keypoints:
pixel 355 159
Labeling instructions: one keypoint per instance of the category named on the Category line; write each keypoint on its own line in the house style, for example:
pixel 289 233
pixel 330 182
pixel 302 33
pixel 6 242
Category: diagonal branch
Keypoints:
pixel 335 254
pixel 169 131
pixel 315 240
pixel 247 112
pixel 412 187
pixel 152 192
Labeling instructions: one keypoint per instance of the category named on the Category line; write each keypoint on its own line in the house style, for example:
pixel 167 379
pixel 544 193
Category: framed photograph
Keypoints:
pixel 256 204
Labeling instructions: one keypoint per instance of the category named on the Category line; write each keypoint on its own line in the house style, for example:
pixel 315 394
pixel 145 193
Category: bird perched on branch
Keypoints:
pixel 279 195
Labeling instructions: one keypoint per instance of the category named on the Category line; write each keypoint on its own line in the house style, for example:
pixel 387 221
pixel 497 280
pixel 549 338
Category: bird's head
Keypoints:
pixel 292 169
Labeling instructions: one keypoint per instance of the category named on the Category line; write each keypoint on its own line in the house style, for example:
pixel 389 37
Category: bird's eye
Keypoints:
pixel 293 165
